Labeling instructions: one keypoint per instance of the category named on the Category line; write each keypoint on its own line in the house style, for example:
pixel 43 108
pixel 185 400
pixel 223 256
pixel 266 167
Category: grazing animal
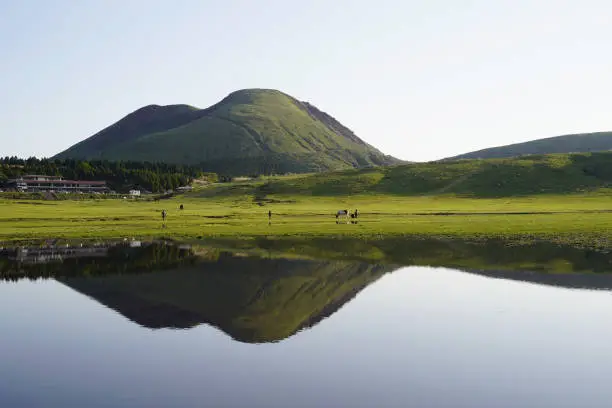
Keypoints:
pixel 342 212
pixel 181 207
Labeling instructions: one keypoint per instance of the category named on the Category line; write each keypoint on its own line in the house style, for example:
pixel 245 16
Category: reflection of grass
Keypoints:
pixel 580 218
pixel 492 254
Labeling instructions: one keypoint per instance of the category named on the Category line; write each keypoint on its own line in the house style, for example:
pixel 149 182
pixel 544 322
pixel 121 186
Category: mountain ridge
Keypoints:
pixel 569 143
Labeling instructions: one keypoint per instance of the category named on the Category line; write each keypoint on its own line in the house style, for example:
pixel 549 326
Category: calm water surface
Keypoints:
pixel 241 331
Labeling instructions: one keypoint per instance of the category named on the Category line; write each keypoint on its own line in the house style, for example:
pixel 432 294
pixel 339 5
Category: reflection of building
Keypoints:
pixel 36 183
pixel 49 254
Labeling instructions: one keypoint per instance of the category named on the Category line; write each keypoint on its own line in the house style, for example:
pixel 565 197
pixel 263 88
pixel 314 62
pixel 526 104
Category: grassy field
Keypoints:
pixel 236 211
pixel 563 198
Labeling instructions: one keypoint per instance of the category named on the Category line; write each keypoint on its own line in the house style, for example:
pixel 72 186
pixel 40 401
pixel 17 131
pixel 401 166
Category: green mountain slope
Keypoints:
pixel 577 143
pixel 527 175
pixel 250 131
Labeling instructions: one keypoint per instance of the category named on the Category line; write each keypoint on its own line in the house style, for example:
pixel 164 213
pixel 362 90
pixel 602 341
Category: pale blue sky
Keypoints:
pixel 419 79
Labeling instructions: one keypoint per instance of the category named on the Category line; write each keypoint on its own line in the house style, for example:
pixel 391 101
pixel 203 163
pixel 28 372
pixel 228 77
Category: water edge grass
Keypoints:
pixel 579 219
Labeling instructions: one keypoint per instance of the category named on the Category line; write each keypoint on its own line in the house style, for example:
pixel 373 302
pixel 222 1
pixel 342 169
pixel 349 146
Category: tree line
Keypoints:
pixel 119 175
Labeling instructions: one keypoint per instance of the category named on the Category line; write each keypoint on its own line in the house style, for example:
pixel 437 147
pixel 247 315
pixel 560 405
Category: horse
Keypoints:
pixel 342 212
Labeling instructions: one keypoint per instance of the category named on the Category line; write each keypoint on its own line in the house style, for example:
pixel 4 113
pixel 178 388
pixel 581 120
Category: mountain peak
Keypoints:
pixel 249 131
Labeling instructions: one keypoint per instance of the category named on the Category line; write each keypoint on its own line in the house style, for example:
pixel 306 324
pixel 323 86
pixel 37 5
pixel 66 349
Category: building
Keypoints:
pixel 134 193
pixel 37 183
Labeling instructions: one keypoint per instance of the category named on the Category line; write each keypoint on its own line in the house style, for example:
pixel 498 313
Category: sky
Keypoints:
pixel 420 80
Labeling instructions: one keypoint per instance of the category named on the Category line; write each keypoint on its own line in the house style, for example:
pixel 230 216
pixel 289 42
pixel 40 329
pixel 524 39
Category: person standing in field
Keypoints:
pixel 163 215
pixel 269 215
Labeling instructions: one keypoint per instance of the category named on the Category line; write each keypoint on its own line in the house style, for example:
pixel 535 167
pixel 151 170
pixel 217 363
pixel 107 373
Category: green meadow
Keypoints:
pixel 576 218
pixel 562 198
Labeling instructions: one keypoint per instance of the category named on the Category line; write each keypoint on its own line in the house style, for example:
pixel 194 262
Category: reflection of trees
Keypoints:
pixel 120 259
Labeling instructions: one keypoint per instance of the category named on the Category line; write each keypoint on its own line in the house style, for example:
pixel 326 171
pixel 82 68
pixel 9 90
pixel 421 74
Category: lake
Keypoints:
pixel 160 325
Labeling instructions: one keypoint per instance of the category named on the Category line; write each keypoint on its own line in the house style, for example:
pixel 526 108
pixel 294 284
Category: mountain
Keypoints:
pixel 577 143
pixel 249 131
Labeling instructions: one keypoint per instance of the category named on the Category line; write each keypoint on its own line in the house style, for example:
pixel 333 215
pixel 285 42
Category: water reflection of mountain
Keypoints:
pixel 160 285
pixel 263 299
pixel 537 262
pixel 571 280
pixel 532 255
pixel 250 298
